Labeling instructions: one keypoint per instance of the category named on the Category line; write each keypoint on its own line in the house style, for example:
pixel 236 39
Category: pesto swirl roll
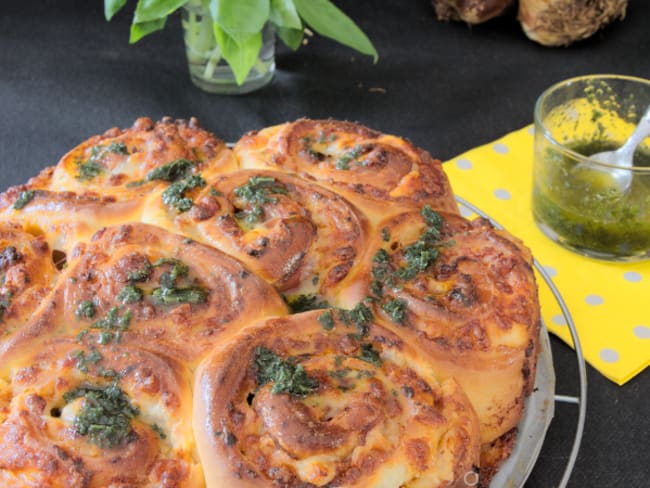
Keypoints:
pixel 377 172
pixel 128 163
pixel 295 234
pixel 139 284
pixel 310 400
pixel 96 416
pixel 466 293
pixel 104 180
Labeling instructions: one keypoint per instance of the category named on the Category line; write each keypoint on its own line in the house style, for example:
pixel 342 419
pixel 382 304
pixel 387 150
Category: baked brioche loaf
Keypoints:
pixel 158 322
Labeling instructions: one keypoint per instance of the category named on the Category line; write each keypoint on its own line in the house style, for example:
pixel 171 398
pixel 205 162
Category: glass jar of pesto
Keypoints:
pixel 576 201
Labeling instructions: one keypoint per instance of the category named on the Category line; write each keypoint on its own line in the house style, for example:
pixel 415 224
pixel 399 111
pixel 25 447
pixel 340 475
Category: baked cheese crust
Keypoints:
pixel 377 416
pixel 157 322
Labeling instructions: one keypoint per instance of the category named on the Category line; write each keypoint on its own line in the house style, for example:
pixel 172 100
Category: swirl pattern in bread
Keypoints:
pixel 300 401
pixel 156 322
pixel 466 292
pixel 80 417
pixel 297 235
pixel 364 165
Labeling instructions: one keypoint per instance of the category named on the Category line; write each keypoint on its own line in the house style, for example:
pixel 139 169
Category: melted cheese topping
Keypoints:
pixel 367 423
pixel 97 306
pixel 474 307
pixel 298 236
pixel 367 167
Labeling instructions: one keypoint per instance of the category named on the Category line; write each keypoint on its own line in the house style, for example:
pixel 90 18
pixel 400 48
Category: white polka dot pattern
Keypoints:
pixel 606 300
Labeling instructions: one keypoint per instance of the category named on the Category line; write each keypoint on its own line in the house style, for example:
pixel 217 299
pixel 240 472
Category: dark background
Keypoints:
pixel 66 74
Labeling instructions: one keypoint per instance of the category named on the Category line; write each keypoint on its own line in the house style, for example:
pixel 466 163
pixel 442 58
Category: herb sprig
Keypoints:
pixel 105 415
pixel 256 193
pixel 238 24
pixel 285 376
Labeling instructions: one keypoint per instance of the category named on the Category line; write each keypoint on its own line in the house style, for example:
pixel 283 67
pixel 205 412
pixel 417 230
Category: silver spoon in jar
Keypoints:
pixel 623 156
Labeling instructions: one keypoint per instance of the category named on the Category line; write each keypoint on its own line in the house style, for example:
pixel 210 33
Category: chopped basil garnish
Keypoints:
pixel 169 293
pixel 369 355
pixel 304 303
pixel 326 319
pixel 23 199
pixel 86 309
pixel 396 308
pixel 285 376
pixel 130 294
pixel 256 193
pixel 174 195
pixel 105 415
pixel 170 172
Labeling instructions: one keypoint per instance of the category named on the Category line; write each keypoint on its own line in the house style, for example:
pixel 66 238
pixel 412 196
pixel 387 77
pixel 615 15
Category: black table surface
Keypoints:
pixel 66 74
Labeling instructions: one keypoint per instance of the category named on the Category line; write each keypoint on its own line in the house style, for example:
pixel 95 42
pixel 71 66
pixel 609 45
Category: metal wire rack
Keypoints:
pixel 581 399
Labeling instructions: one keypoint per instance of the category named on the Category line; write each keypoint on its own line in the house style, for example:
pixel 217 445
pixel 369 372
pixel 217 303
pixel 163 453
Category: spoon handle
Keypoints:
pixel 626 151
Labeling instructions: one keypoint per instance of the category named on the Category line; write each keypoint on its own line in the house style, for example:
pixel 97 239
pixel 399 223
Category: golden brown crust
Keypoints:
pixel 118 161
pixel 378 416
pixel 367 167
pixel 135 308
pixel 472 303
pixel 42 441
pixel 148 287
pixel 105 180
pixel 494 454
pixel 295 234
pixel 27 273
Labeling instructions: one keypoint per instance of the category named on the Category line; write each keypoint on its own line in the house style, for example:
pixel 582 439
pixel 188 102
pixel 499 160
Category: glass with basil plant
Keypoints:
pixel 230 44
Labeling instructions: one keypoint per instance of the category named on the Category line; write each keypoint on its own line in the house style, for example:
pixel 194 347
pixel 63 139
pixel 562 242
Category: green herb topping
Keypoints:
pixel 130 294
pixel 344 161
pixel 326 319
pixel 304 303
pixel 285 376
pixel 370 355
pixel 256 193
pixel 175 296
pixel 396 308
pixel 169 293
pixel 89 170
pixel 117 148
pixel 23 199
pixel 361 316
pixel 174 195
pixel 5 303
pixel 171 172
pixel 141 275
pixel 385 234
pixel 111 326
pixel 418 256
pixel 158 430
pixel 93 357
pixel 105 415
pixel 86 309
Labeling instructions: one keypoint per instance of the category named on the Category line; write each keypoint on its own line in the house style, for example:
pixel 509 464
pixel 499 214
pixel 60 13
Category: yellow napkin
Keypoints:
pixel 608 301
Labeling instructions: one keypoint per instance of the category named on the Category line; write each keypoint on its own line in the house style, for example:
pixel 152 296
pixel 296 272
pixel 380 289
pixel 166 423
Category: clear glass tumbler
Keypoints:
pixel 208 69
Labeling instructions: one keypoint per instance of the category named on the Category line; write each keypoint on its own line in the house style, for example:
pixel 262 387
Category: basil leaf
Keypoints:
pixel 138 31
pixel 284 14
pixel 291 37
pixel 240 19
pixel 111 7
pixel 242 55
pixel 326 19
pixel 149 10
